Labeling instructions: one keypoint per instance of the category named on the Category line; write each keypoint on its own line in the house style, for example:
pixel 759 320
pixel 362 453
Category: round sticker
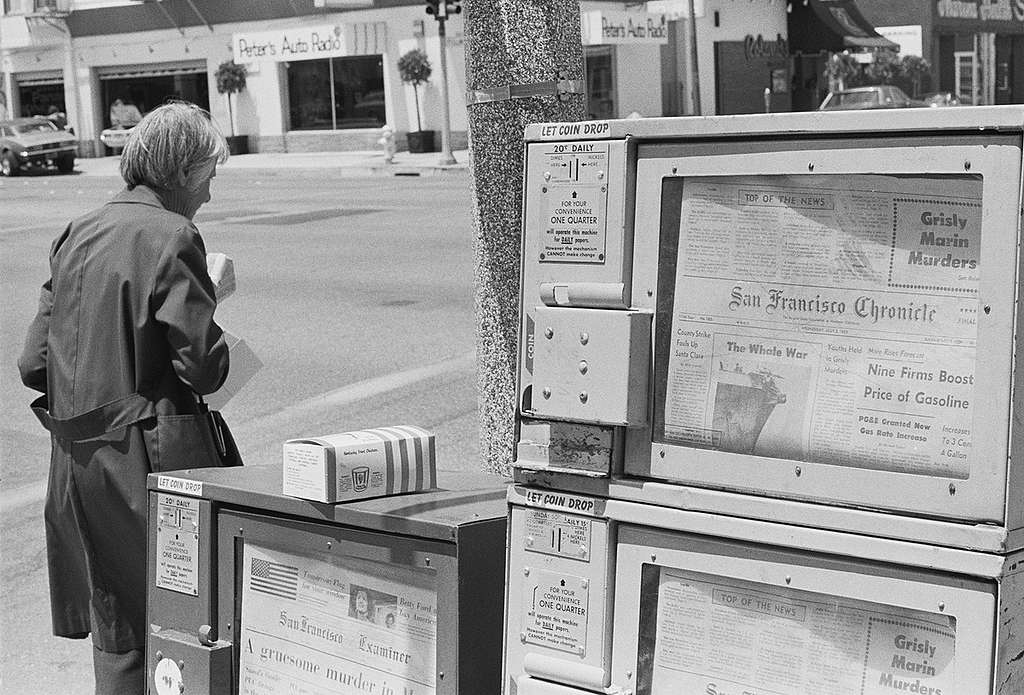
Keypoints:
pixel 168 678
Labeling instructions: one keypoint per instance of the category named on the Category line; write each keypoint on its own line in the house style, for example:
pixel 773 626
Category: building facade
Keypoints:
pixel 98 57
pixel 975 47
pixel 322 74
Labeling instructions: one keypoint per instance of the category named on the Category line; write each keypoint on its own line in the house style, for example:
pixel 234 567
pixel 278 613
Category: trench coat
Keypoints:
pixel 124 335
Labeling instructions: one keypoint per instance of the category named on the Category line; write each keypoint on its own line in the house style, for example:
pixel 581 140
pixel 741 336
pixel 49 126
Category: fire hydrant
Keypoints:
pixel 387 141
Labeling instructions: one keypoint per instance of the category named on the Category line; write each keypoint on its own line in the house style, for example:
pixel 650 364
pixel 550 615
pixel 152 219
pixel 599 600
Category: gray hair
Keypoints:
pixel 171 146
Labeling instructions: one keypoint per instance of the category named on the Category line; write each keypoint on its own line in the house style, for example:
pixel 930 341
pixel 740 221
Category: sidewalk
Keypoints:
pixel 359 163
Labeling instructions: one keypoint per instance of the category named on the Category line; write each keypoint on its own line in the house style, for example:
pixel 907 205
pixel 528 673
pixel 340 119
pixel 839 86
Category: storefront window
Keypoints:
pixel 36 99
pixel 336 93
pixel 600 82
pixel 127 99
pixel 966 75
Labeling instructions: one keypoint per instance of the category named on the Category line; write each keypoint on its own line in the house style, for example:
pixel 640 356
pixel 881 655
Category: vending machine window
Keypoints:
pixel 330 610
pixel 817 308
pixel 833 323
pixel 724 616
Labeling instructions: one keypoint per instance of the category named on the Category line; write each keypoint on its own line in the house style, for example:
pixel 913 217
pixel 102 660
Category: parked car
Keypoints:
pixel 882 96
pixel 936 99
pixel 28 143
pixel 115 138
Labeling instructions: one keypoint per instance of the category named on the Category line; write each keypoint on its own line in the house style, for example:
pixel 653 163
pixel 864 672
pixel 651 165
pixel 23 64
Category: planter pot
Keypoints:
pixel 421 141
pixel 238 144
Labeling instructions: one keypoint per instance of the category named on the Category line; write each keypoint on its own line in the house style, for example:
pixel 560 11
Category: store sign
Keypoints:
pixel 760 47
pixel 909 38
pixel 603 27
pixel 998 10
pixel 298 43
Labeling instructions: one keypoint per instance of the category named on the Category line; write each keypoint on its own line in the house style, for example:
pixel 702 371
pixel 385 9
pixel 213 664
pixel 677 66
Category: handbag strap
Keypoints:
pixel 214 421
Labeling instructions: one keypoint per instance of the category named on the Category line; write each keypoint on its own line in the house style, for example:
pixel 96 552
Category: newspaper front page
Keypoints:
pixel 310 627
pixel 830 319
pixel 721 636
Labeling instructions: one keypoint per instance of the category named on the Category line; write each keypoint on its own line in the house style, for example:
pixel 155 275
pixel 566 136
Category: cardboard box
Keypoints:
pixel 357 465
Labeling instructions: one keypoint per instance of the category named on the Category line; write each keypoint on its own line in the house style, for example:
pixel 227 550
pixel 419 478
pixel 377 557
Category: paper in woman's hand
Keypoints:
pixel 244 365
pixel 222 272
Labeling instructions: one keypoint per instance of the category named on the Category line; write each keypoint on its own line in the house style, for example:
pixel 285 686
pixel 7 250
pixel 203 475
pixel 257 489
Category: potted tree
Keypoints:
pixel 414 69
pixel 231 80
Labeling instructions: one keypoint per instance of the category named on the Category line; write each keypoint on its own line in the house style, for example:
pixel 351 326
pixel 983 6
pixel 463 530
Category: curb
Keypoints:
pixel 350 164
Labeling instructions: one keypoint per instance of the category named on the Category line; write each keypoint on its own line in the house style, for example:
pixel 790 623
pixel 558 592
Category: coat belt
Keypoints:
pixel 98 421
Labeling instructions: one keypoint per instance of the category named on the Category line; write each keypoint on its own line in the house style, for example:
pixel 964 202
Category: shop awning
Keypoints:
pixel 831 25
pixel 157 70
pixel 41 78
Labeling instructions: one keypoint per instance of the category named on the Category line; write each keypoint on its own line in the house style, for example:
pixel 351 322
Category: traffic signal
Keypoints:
pixel 442 9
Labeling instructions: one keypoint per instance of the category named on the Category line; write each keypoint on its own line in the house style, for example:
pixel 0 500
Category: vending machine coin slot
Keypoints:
pixel 590 365
pixel 558 621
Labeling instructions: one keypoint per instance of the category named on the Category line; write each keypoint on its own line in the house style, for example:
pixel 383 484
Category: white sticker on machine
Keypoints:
pixel 575 222
pixel 556 533
pixel 177 544
pixel 556 609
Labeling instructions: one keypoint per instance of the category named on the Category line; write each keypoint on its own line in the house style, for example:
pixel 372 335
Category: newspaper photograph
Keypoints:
pixel 720 636
pixel 312 627
pixel 830 319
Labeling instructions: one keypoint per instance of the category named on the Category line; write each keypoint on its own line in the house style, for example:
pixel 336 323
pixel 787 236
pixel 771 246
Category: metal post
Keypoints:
pixel 446 122
pixel 509 43
pixel 334 105
pixel 10 97
pixel 695 73
pixel 73 111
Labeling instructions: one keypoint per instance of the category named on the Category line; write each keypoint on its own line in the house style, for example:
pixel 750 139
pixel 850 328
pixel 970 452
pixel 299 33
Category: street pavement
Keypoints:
pixel 424 376
pixel 357 163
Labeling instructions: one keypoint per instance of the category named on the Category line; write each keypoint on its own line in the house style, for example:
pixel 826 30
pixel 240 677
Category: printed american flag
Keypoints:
pixel 273 578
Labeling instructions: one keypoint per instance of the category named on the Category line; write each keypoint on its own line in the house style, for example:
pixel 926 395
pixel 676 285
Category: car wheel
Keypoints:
pixel 8 165
pixel 66 163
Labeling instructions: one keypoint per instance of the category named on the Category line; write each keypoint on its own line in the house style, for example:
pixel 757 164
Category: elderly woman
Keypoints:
pixel 123 340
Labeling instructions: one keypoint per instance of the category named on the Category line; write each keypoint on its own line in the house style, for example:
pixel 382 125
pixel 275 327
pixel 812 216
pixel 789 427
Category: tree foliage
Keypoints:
pixel 230 80
pixel 230 77
pixel 842 71
pixel 911 73
pixel 414 69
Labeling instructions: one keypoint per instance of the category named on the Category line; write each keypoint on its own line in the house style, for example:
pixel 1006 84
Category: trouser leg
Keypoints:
pixel 119 673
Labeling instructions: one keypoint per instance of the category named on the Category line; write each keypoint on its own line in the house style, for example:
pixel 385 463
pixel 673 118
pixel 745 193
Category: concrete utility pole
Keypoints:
pixel 518 56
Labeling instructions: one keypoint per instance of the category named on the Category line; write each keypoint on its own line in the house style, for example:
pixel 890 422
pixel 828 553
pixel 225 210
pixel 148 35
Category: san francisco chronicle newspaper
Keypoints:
pixel 828 318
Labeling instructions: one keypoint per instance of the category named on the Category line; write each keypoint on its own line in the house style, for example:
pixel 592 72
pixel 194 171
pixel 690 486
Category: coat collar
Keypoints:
pixel 142 195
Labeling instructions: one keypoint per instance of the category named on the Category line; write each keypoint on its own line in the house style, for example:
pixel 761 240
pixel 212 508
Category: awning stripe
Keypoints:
pixel 40 81
pixel 151 73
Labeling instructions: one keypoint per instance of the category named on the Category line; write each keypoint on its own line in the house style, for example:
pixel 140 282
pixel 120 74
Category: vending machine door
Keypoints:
pixel 833 317
pixel 723 616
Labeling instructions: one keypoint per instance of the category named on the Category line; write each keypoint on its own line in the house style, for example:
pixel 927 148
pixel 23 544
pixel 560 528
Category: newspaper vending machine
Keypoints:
pixel 769 407
pixel 252 592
